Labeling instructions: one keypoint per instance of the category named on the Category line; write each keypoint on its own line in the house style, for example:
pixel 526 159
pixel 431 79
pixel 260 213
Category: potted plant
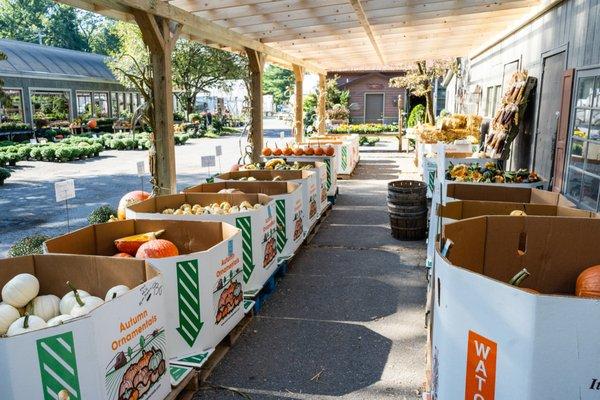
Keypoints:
pixel 4 174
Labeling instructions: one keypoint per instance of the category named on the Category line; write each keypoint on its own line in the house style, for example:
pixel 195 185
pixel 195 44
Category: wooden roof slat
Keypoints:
pixel 269 7
pixel 364 21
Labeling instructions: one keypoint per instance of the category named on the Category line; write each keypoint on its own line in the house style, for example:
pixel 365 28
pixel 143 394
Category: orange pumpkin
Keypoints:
pixel 329 151
pixel 267 152
pixel 123 255
pixel 130 244
pixel 309 151
pixel 130 199
pixel 588 283
pixel 157 248
pixel 92 124
pixel 288 151
pixel 277 152
pixel 298 152
pixel 319 151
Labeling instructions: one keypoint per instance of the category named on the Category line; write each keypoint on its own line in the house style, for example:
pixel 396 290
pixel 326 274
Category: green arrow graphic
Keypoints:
pixel 328 164
pixel 188 294
pixel 344 157
pixel 244 223
pixel 281 225
pixel 58 366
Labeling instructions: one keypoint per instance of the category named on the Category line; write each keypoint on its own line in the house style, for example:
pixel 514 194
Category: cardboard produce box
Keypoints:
pixel 330 168
pixel 495 340
pixel 292 221
pixel 196 282
pixel 346 150
pixel 459 210
pixel 306 179
pixel 117 351
pixel 258 228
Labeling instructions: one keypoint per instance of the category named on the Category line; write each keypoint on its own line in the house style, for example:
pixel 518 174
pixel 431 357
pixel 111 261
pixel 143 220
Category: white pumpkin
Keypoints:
pixel 87 304
pixel 8 315
pixel 46 307
pixel 20 290
pixel 21 310
pixel 68 301
pixel 64 395
pixel 24 324
pixel 115 292
pixel 58 320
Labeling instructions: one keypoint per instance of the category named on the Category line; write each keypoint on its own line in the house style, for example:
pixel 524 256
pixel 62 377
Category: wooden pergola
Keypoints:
pixel 308 36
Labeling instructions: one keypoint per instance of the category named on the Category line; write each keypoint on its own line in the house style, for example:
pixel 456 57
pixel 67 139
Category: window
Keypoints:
pixel 114 105
pixel 583 158
pixel 101 104
pixel 50 107
pixel 84 104
pixel 12 111
pixel 493 98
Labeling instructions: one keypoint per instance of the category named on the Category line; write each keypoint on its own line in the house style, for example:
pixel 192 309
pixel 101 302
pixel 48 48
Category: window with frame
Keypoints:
pixel 583 153
pixel 12 109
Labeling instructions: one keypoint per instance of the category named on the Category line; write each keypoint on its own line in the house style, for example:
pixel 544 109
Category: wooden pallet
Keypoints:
pixel 223 348
pixel 186 388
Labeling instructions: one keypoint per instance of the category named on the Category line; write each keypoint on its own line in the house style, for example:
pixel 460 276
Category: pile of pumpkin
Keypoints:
pixel 298 151
pixel 145 245
pixel 24 310
pixel 222 208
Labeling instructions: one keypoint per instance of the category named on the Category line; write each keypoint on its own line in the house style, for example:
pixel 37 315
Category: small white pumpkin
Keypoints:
pixel 46 307
pixel 20 290
pixel 58 320
pixel 64 395
pixel 24 324
pixel 84 306
pixel 68 301
pixel 8 315
pixel 115 292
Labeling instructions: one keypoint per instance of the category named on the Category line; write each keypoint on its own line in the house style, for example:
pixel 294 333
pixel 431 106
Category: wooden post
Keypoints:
pixel 400 120
pixel 256 64
pixel 321 105
pixel 160 39
pixel 298 118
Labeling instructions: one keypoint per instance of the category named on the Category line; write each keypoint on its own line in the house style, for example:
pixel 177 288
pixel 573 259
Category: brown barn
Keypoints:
pixel 371 97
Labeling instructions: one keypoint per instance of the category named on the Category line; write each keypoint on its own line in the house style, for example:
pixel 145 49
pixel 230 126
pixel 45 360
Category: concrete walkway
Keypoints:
pixel 347 320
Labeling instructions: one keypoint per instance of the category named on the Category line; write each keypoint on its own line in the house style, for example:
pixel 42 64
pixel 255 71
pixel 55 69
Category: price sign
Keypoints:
pixel 208 161
pixel 33 141
pixel 218 150
pixel 141 168
pixel 64 190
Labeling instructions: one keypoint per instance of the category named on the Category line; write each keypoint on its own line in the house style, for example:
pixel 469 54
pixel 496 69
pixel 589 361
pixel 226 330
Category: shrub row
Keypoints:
pixel 365 128
pixel 54 152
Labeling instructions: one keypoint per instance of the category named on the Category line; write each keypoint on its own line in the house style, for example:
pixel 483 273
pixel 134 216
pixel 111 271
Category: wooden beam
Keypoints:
pixel 298 115
pixel 321 104
pixel 199 26
pixel 158 36
pixel 364 22
pixel 256 64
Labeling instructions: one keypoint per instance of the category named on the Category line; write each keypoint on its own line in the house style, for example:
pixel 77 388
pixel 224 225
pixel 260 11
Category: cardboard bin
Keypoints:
pixel 292 221
pixel 330 168
pixel 117 351
pixel 196 283
pixel 494 340
pixel 258 228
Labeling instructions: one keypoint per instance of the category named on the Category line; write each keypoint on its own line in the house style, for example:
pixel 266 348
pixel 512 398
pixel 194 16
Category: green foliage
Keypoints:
pixel 101 214
pixel 368 141
pixel 13 126
pixel 365 128
pixel 278 82
pixel 28 245
pixel 416 116
pixel 4 174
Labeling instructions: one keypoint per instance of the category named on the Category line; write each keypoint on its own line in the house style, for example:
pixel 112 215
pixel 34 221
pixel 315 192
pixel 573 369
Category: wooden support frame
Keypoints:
pixel 298 114
pixel 362 18
pixel 256 65
pixel 160 35
pixel 321 112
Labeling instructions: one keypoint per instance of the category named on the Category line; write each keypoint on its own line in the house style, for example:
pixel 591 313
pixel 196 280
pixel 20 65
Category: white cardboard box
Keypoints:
pixel 96 356
pixel 209 264
pixel 289 208
pixel 330 169
pixel 492 340
pixel 259 228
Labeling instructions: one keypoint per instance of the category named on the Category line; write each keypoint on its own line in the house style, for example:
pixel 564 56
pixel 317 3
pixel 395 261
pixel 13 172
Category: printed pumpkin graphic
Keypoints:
pixel 323 194
pixel 230 298
pixel 270 251
pixel 297 227
pixel 139 377
pixel 312 207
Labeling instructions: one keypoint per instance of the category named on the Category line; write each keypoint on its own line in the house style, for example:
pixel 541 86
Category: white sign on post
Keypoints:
pixel 141 168
pixel 208 161
pixel 33 141
pixel 218 150
pixel 64 190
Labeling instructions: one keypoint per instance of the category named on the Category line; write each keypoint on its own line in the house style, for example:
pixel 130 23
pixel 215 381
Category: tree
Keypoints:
pixel 333 96
pixel 98 31
pixel 62 30
pixel 278 82
pixel 197 68
pixel 419 78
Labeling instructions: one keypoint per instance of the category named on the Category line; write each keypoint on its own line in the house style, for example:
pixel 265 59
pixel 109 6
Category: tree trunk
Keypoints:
pixel 429 114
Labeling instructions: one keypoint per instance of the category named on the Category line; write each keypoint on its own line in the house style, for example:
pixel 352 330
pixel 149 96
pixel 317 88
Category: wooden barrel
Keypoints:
pixel 407 205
